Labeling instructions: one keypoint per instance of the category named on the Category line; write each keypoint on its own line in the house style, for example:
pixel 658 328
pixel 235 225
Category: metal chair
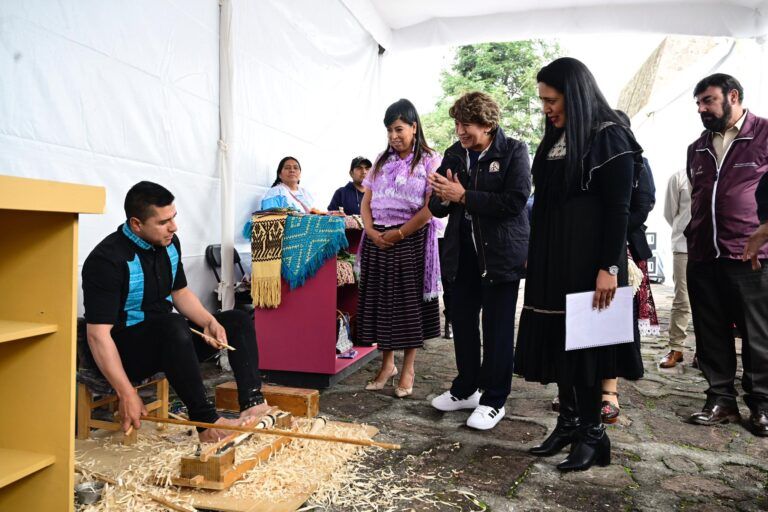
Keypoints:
pixel 213 258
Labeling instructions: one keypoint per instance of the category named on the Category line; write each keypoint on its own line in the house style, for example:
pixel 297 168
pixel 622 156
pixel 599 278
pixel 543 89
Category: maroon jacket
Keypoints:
pixel 732 187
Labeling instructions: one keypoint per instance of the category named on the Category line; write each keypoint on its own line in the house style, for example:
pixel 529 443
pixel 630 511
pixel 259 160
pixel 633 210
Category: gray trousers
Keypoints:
pixel 680 314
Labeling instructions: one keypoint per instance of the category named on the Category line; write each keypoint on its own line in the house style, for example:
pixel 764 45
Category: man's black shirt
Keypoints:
pixel 126 280
pixel 348 197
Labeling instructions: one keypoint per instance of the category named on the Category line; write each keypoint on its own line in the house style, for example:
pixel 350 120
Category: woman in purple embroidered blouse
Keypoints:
pixel 399 266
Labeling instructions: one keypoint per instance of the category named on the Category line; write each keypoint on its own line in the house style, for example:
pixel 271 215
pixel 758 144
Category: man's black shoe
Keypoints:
pixel 715 415
pixel 758 423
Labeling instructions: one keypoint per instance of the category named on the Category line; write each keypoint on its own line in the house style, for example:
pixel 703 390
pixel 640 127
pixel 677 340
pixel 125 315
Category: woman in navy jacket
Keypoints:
pixel 483 183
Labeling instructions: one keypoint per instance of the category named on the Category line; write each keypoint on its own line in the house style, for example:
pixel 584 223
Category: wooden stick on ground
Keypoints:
pixel 276 432
pixel 153 497
pixel 219 342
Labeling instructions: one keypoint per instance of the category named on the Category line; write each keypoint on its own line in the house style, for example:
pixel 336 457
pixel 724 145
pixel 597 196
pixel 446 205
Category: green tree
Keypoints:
pixel 506 71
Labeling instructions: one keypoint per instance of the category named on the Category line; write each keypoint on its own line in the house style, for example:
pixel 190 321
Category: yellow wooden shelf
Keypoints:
pixel 16 464
pixel 50 196
pixel 39 253
pixel 11 330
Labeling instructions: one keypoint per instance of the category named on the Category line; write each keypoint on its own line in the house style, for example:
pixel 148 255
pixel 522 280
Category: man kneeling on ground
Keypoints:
pixel 132 281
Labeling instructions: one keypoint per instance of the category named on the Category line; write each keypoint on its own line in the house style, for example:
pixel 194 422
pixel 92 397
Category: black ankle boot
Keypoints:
pixel 562 436
pixel 448 331
pixel 591 447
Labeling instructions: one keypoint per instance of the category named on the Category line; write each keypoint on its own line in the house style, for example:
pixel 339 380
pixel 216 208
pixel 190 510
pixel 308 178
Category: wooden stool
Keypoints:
pixel 86 404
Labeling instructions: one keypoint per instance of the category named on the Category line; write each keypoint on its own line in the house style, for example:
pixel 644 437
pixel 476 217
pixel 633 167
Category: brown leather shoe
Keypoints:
pixel 671 359
pixel 758 423
pixel 715 415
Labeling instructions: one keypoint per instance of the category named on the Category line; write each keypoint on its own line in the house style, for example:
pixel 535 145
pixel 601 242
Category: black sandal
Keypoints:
pixel 609 412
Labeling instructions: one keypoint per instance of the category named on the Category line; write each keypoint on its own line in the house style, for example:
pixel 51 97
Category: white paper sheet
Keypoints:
pixel 586 327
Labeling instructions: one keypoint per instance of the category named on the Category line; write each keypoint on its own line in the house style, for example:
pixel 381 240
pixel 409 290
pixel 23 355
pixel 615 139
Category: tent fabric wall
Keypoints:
pixel 110 93
pixel 306 85
pixel 456 22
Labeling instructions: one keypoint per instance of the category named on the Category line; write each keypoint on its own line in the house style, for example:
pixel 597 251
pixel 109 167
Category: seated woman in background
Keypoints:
pixel 286 191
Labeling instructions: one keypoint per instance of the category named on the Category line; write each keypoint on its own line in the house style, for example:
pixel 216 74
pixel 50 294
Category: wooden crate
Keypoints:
pixel 297 401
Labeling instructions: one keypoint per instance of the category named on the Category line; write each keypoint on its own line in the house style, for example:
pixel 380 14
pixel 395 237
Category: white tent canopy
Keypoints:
pixel 404 24
pixel 110 93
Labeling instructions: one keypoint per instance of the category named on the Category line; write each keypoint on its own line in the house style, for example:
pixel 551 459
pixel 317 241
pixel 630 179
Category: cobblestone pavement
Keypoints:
pixel 659 461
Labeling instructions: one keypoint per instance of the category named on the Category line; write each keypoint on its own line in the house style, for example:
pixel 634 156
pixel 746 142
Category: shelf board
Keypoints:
pixel 16 464
pixel 27 194
pixel 11 330
pixel 361 353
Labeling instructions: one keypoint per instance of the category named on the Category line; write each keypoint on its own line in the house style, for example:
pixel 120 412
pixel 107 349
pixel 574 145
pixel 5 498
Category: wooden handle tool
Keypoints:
pixel 276 432
pixel 219 342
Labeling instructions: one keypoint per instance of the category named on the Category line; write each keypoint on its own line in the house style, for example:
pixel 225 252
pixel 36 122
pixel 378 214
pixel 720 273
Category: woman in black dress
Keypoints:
pixel 584 171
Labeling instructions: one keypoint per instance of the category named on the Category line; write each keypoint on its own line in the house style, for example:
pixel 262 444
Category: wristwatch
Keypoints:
pixel 613 270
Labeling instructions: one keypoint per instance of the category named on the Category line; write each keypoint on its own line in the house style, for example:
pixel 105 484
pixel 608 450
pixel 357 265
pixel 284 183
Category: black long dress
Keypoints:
pixel 575 233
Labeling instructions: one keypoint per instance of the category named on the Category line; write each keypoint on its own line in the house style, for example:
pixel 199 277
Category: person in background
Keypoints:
pixel 760 236
pixel 447 285
pixel 398 305
pixel 644 308
pixel 483 183
pixel 677 212
pixel 286 191
pixel 725 165
pixel 584 172
pixel 348 198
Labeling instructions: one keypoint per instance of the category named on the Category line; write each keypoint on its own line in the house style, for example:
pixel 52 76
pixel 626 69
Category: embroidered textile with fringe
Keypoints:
pixel 267 230
pixel 309 241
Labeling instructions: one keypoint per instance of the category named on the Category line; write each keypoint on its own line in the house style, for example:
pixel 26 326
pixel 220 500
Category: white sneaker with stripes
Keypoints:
pixel 485 417
pixel 447 402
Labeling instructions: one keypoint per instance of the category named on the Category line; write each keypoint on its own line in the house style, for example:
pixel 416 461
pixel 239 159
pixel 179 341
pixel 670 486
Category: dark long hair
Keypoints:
pixel 585 110
pixel 280 168
pixel 403 110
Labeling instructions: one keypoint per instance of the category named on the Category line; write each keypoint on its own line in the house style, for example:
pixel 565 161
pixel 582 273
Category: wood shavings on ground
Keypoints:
pixel 151 471
pixel 161 451
pixel 302 465
pixel 298 467
pixel 334 476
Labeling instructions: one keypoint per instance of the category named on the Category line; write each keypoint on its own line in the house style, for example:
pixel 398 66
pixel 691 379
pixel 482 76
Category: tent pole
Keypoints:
pixel 226 287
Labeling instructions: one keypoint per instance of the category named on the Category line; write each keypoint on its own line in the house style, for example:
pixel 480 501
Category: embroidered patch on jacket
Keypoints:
pixel 494 166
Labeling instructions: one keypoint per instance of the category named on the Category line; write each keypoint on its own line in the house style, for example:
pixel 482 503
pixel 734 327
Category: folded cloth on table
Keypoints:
pixel 267 230
pixel 309 241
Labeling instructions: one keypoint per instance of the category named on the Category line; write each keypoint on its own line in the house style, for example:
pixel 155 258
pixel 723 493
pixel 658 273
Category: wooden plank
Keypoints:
pixel 298 401
pixel 50 196
pixel 17 464
pixel 10 330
